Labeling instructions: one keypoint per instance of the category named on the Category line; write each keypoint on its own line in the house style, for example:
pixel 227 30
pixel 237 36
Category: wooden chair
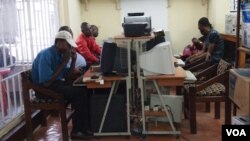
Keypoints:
pixel 55 102
pixel 214 90
pixel 194 63
pixel 197 67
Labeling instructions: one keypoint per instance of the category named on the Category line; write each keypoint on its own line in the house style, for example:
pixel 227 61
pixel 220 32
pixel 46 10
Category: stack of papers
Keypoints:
pixel 180 62
pixel 190 76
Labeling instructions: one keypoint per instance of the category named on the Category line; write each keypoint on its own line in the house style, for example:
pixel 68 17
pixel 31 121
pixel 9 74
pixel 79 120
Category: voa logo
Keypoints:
pixel 236 132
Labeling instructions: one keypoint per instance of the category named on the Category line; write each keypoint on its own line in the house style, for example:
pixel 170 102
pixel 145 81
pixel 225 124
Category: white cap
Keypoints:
pixel 67 36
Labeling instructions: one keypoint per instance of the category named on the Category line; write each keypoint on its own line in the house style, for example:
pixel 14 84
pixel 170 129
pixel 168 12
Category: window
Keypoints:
pixel 27 27
pixel 234 4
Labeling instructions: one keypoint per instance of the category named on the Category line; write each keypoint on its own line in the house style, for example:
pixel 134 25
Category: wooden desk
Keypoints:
pixel 122 37
pixel 96 83
pixel 242 56
pixel 174 80
pixel 228 37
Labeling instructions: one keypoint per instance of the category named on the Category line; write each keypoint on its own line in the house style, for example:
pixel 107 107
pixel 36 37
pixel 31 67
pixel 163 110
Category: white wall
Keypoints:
pixel 105 14
pixel 157 9
pixel 217 11
pixel 182 17
pixel 71 15
pixel 183 21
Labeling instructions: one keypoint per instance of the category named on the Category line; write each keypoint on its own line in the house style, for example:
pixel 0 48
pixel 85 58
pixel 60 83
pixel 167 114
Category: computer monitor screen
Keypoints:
pixel 108 57
pixel 114 60
pixel 158 60
pixel 121 60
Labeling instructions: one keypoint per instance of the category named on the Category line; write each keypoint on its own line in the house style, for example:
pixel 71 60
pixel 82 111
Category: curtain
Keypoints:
pixel 8 21
pixel 8 30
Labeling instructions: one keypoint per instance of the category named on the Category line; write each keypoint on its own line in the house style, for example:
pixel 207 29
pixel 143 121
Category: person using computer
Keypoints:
pixel 87 46
pixel 49 70
pixel 195 47
pixel 213 43
pixel 94 30
pixel 80 65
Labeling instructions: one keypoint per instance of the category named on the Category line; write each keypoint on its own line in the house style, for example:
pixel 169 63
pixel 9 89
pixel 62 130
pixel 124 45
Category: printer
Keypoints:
pixel 136 24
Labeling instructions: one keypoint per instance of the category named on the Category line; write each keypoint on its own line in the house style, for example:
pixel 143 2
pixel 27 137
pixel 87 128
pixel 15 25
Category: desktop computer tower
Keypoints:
pixel 116 115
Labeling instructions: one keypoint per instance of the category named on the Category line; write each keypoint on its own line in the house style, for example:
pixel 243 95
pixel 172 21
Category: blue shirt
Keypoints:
pixel 80 61
pixel 218 52
pixel 45 65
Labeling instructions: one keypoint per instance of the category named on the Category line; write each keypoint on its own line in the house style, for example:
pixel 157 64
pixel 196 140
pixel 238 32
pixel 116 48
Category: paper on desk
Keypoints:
pixel 98 80
pixel 85 79
pixel 190 76
pixel 180 62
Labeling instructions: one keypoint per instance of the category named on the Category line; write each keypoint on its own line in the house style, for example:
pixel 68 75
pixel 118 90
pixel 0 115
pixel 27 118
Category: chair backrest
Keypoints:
pixel 26 75
pixel 56 102
pixel 40 91
pixel 223 66
pixel 26 81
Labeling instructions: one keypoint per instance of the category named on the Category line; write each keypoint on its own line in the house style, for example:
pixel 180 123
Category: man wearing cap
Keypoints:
pixel 80 65
pixel 49 69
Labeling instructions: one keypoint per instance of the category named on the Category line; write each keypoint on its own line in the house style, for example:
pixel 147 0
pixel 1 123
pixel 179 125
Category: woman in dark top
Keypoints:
pixel 213 43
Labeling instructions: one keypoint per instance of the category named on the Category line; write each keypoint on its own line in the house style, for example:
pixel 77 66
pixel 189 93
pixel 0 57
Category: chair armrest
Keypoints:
pixel 222 78
pixel 46 92
pixel 190 65
pixel 208 72
pixel 199 66
pixel 27 85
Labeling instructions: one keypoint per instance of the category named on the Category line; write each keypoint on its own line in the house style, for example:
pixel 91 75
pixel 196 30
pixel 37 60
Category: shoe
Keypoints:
pixel 80 135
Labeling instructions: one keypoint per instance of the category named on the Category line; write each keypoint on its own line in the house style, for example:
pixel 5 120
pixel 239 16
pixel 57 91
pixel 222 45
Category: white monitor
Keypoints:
pixel 158 60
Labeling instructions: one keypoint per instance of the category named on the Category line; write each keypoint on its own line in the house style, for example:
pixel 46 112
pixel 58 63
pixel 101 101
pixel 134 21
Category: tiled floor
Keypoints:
pixel 209 129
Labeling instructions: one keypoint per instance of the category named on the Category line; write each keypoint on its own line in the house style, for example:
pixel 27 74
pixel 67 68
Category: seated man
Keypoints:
pixel 49 70
pixel 80 65
pixel 87 46
pixel 214 45
pixel 94 30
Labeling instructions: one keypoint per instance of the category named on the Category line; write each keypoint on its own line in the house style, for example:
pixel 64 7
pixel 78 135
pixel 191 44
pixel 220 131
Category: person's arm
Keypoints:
pixel 195 57
pixel 95 47
pixel 213 40
pixel 211 47
pixel 83 49
pixel 72 65
pixel 58 71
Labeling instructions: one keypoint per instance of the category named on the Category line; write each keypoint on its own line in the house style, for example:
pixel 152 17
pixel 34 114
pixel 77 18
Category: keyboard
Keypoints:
pixel 180 62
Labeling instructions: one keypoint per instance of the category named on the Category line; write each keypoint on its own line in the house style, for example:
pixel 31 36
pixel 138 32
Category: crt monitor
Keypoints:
pixel 108 57
pixel 159 60
pixel 121 60
pixel 114 59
